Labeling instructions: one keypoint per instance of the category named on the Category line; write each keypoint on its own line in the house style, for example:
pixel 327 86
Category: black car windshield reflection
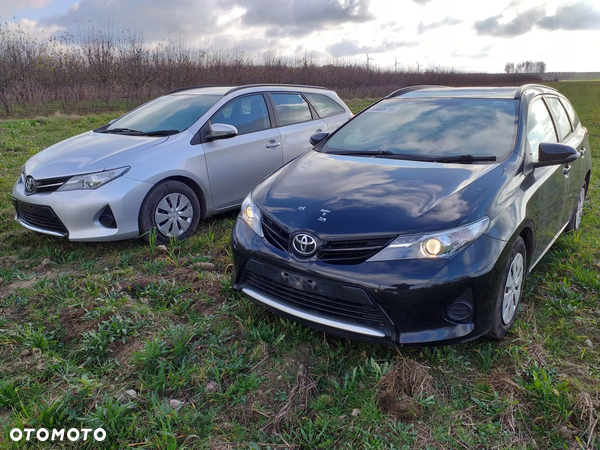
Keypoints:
pixel 432 128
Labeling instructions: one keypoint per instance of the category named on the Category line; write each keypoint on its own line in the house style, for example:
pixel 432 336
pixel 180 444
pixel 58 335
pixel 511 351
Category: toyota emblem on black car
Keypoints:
pixel 29 184
pixel 304 245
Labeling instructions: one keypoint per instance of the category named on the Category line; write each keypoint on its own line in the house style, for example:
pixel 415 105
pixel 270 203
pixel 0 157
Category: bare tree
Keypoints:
pixel 18 54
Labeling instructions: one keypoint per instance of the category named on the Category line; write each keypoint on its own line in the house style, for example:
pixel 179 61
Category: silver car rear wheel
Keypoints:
pixel 173 215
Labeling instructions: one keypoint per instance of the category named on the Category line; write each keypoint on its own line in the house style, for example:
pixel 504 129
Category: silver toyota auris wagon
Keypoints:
pixel 171 162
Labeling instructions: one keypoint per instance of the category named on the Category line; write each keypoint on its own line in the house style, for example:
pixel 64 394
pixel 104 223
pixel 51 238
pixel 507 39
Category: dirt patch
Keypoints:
pixel 74 324
pixel 124 352
pixel 397 389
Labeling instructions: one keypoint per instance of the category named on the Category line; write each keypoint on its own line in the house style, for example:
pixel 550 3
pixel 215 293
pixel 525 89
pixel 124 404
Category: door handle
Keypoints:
pixel 566 170
pixel 272 144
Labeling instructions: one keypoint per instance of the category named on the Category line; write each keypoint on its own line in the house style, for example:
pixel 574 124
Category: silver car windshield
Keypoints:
pixel 431 129
pixel 171 113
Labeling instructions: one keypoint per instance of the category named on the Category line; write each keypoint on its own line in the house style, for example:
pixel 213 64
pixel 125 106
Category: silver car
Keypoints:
pixel 171 162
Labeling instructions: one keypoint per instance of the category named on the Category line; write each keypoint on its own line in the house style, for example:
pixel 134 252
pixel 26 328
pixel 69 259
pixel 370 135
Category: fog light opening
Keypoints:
pixel 106 218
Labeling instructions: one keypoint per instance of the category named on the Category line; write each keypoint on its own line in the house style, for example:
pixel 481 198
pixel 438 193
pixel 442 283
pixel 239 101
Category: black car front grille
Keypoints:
pixel 348 251
pixel 352 251
pixel 275 233
pixel 366 314
pixel 42 217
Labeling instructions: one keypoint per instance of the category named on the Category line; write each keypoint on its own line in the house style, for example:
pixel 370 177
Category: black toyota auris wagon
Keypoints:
pixel 416 222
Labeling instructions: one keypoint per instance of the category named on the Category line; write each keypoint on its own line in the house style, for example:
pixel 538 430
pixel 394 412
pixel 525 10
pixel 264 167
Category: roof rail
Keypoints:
pixel 191 87
pixel 237 88
pixel 408 89
pixel 524 87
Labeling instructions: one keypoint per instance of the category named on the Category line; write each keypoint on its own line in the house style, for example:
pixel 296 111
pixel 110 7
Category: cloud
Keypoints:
pixel 188 18
pixel 352 48
pixel 576 16
pixel 448 21
pixel 302 17
pixel 422 2
pixel 521 24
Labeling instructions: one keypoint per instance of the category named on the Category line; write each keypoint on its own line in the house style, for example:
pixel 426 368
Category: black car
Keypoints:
pixel 416 222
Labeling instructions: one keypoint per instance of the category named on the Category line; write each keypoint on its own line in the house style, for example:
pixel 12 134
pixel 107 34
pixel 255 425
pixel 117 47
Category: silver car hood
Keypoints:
pixel 86 153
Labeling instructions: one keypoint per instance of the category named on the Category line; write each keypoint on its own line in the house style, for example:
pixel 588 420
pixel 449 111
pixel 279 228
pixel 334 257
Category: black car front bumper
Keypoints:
pixel 409 302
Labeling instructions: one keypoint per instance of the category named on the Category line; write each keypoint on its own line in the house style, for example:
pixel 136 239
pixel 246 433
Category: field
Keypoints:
pixel 153 345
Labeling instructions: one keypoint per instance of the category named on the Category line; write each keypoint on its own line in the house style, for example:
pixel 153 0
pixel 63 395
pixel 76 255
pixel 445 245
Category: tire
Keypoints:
pixel 173 209
pixel 509 292
pixel 575 221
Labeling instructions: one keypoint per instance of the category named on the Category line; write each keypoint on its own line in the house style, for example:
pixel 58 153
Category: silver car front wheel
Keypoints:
pixel 170 210
pixel 173 215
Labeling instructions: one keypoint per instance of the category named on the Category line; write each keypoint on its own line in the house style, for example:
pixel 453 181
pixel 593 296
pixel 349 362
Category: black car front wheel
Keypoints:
pixel 172 209
pixel 510 292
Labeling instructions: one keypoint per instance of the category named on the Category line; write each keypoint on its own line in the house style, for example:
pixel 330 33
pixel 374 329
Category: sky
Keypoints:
pixel 467 35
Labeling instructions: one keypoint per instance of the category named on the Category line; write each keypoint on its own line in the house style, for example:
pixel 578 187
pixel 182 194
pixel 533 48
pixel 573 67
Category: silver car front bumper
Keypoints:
pixel 79 210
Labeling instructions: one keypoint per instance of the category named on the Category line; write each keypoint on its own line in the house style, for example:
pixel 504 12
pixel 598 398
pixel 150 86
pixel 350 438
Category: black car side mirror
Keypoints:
pixel 221 131
pixel 555 154
pixel 317 137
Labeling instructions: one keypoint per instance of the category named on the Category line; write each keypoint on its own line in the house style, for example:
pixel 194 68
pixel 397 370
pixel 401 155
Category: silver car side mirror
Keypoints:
pixel 221 131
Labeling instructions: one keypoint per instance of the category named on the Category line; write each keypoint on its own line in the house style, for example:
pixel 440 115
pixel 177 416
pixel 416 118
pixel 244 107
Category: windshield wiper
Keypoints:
pixel 121 130
pixel 461 159
pixel 161 133
pixel 359 153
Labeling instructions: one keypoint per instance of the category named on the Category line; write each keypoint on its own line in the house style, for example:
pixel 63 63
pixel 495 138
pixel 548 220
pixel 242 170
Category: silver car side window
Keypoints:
pixel 248 114
pixel 540 128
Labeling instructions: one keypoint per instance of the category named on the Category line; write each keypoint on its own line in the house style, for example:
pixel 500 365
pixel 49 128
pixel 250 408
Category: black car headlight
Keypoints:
pixel 93 180
pixel 441 244
pixel 251 215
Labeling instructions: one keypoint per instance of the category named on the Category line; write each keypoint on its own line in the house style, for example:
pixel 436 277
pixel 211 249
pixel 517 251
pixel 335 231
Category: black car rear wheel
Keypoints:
pixel 510 292
pixel 172 209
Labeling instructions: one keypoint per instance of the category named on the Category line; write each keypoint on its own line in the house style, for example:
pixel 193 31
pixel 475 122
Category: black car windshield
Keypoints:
pixel 172 113
pixel 426 129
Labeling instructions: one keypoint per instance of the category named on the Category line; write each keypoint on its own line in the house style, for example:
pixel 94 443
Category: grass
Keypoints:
pixel 162 354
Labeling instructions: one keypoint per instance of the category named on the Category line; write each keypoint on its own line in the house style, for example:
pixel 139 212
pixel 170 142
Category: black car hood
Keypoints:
pixel 334 195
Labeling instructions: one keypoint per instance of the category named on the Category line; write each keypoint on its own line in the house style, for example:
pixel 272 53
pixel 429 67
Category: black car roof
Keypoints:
pixel 506 92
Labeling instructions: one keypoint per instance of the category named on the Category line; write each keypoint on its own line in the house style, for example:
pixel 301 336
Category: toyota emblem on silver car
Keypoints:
pixel 29 184
pixel 304 245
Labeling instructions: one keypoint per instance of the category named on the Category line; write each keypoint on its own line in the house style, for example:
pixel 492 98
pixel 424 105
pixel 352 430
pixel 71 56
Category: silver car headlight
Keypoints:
pixel 93 180
pixel 442 244
pixel 251 215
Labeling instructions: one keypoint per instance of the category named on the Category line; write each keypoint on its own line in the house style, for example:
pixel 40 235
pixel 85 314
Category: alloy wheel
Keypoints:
pixel 173 215
pixel 579 211
pixel 512 289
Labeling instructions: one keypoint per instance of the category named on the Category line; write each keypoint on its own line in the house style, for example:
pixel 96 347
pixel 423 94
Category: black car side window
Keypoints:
pixel 540 127
pixel 248 114
pixel 291 108
pixel 571 112
pixel 562 120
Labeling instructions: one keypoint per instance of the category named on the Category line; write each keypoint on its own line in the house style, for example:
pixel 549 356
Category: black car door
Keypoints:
pixel 574 138
pixel 551 182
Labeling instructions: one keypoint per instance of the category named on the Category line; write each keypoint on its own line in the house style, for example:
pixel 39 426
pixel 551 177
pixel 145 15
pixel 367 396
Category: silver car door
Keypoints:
pixel 297 123
pixel 236 165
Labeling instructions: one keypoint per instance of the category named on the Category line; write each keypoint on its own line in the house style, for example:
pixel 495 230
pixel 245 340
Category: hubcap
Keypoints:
pixel 512 290
pixel 579 212
pixel 173 215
